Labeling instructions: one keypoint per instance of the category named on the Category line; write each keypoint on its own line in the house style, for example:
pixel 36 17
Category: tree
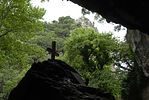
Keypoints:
pixel 94 49
pixel 94 55
pixel 45 39
pixel 19 20
pixel 62 27
pixel 19 16
pixel 59 30
pixel 134 84
pixel 55 31
pixel 108 80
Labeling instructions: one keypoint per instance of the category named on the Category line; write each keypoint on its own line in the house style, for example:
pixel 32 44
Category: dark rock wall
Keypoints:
pixel 140 44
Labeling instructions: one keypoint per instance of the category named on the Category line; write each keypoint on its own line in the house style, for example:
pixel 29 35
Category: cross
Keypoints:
pixel 53 50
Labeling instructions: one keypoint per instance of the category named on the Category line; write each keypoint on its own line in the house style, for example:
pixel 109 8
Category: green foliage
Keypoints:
pixel 11 77
pixel 55 31
pixel 134 84
pixel 88 46
pixel 18 23
pixel 89 51
pixel 124 57
pixel 19 16
pixel 62 27
pixel 58 31
pixel 44 40
pixel 108 80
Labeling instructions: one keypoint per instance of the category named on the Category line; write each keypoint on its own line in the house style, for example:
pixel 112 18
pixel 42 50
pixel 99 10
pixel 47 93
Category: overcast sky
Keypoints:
pixel 57 8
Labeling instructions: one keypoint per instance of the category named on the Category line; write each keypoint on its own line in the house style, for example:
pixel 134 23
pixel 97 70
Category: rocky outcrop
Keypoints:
pixel 140 44
pixel 55 80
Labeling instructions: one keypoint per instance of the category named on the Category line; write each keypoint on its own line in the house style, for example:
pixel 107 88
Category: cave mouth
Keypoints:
pixel 132 15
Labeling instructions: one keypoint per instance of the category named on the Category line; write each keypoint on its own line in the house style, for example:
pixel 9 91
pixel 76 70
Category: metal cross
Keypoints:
pixel 53 50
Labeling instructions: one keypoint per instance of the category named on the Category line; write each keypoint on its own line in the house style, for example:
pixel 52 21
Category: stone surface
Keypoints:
pixel 129 13
pixel 140 44
pixel 53 80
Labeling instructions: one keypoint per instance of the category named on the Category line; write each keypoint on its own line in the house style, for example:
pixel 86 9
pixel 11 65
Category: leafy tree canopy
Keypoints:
pixel 89 51
pixel 19 16
pixel 62 27
pixel 94 49
pixel 19 21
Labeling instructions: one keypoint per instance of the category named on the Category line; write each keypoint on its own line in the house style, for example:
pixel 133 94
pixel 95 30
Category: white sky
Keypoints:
pixel 57 8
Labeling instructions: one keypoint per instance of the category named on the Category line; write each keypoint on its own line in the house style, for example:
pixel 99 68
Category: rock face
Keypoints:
pixel 129 13
pixel 140 44
pixel 55 80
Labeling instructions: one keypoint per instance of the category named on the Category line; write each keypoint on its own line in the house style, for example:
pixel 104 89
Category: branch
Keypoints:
pixel 125 68
pixel 128 64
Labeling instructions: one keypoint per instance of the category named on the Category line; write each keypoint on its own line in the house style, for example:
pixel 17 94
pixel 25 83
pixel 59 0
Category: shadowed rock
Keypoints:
pixel 129 13
pixel 55 80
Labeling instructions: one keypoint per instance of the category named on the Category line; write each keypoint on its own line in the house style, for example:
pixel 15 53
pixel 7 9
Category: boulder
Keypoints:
pixel 55 80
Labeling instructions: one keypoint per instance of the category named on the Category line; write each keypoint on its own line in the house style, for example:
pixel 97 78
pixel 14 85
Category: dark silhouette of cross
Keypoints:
pixel 52 50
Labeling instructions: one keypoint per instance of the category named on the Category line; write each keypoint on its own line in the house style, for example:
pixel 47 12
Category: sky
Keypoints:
pixel 57 8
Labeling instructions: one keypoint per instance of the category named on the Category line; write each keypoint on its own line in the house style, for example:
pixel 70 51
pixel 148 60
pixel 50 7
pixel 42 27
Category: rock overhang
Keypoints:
pixel 132 14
